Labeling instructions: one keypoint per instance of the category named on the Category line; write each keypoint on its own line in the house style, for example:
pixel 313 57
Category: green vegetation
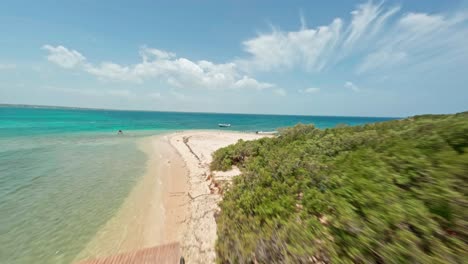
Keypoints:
pixel 391 192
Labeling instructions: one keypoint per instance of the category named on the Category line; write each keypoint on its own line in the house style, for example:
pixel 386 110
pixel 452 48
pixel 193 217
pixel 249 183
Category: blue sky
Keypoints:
pixel 361 58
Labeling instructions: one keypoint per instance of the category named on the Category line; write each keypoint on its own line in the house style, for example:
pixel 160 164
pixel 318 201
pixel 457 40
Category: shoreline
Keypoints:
pixel 174 201
pixel 147 217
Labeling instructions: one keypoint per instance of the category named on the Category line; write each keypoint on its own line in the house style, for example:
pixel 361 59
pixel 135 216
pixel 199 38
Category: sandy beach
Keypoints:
pixel 145 218
pixel 175 201
pixel 196 147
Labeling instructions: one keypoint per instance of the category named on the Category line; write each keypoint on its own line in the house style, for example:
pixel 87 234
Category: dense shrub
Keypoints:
pixel 391 192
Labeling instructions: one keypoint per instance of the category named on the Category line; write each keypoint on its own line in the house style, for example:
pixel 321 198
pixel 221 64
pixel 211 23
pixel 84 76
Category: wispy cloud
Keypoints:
pixel 250 82
pixel 418 39
pixel 351 86
pixel 362 20
pixel 381 59
pixel 279 49
pixel 309 90
pixel 280 92
pixel 146 53
pixel 377 37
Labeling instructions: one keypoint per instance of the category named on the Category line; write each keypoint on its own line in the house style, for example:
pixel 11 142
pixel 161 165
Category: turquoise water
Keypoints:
pixel 64 172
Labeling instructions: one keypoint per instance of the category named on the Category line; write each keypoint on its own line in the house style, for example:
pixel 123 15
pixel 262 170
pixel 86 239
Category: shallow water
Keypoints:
pixel 56 191
pixel 64 173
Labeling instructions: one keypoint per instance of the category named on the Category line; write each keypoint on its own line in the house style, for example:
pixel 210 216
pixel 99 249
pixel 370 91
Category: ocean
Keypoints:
pixel 65 172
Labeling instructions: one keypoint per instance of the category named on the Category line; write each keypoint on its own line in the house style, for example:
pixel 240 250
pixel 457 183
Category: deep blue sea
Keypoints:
pixel 65 172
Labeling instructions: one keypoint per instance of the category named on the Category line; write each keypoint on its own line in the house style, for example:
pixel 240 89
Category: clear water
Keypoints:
pixel 64 172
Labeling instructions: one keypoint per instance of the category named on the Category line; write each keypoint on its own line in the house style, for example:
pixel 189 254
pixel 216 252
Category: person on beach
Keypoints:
pixel 120 132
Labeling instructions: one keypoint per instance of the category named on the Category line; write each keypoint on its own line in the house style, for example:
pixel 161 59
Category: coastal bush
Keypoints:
pixel 390 192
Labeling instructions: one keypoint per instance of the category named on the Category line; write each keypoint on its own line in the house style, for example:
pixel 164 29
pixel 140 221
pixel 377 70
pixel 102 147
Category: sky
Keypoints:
pixel 346 58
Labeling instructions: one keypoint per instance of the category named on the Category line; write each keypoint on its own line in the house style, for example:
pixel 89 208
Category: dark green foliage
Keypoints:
pixel 391 192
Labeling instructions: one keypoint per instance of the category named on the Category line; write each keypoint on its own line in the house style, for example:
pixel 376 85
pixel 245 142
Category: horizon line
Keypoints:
pixel 186 112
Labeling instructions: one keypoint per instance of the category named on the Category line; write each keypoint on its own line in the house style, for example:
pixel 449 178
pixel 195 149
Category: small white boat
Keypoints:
pixel 224 125
pixel 267 132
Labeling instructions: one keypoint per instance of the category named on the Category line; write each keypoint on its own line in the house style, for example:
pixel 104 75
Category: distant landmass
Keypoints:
pixel 53 107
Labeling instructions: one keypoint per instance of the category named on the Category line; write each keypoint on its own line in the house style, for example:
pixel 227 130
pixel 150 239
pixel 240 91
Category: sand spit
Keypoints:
pixel 196 148
pixel 175 201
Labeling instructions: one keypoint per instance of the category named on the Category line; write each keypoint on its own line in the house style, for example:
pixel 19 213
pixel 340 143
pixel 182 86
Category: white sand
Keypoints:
pixel 196 148
pixel 175 201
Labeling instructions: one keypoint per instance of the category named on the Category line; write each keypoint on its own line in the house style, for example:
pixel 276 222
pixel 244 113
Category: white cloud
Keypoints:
pixel 382 20
pixel 112 71
pixel 376 37
pixel 310 90
pixel 363 17
pixel 280 92
pixel 63 57
pixel 8 66
pixel 351 86
pixel 247 82
pixel 280 49
pixel 419 40
pixel 420 23
pixel 315 49
pixel 146 53
pixel 162 65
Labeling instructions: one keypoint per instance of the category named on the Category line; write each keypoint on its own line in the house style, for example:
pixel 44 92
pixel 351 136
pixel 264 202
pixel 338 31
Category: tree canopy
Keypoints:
pixel 390 192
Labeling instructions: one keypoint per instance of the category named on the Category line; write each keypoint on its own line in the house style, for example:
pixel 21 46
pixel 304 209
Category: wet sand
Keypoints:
pixel 152 212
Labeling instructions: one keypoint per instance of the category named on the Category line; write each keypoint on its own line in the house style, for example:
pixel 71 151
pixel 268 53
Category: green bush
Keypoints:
pixel 390 192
